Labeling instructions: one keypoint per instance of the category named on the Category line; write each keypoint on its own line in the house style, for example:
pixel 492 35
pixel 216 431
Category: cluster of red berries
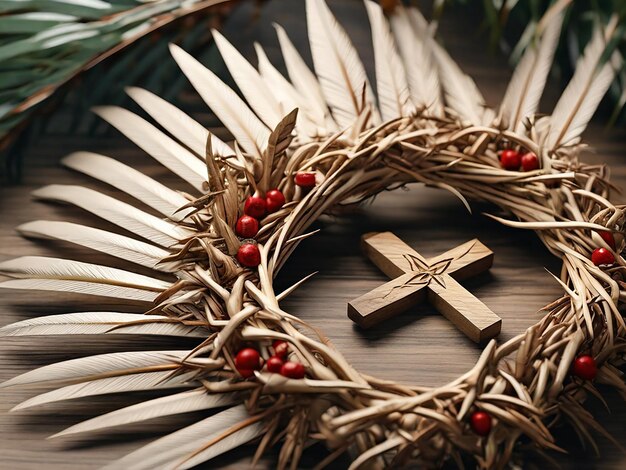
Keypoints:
pixel 248 360
pixel 602 256
pixel 254 209
pixel 512 160
pixel 247 226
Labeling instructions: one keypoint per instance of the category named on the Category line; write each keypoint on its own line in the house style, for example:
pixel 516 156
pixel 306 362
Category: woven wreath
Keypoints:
pixel 304 147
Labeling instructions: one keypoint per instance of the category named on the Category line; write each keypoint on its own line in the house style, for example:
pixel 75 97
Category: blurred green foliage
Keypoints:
pixel 45 43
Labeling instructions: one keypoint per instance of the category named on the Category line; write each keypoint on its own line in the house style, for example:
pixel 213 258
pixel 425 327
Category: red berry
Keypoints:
pixel 585 367
pixel 254 207
pixel 530 162
pixel 248 359
pixel 608 238
pixel 602 256
pixel 249 255
pixel 247 227
pixel 510 160
pixel 246 373
pixel 292 370
pixel 305 179
pixel 274 364
pixel 274 200
pixel 480 422
pixel 281 348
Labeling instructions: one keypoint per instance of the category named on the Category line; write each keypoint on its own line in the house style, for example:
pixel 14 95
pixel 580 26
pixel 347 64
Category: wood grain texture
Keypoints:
pixel 464 310
pixel 389 253
pixel 417 278
pixel 387 301
pixel 420 348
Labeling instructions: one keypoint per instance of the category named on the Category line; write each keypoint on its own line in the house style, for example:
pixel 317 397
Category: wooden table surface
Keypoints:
pixel 417 347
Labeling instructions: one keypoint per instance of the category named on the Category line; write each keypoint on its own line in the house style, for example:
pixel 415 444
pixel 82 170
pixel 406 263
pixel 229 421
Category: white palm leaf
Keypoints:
pixel 251 134
pixel 167 452
pixel 100 240
pixel 41 267
pixel 94 323
pixel 206 452
pixel 186 129
pixel 305 82
pixel 418 22
pixel 339 70
pixel 127 179
pixel 98 366
pixel 524 91
pixel 461 93
pixel 119 213
pixel 134 382
pixel 155 143
pixel 391 83
pixel 178 403
pixel 258 95
pixel 416 50
pixel 585 90
pixel 287 96
pixel 81 287
pixel 41 273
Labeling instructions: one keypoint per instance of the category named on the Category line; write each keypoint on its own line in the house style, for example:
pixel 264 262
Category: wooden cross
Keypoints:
pixel 415 278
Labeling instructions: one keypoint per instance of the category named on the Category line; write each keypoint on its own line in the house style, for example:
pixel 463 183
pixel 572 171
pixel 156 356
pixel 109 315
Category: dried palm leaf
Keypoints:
pixel 137 381
pixel 109 243
pixel 522 96
pixel 129 180
pixel 93 323
pixel 102 365
pixel 165 150
pixel 249 131
pixel 416 49
pixel 393 89
pixel 582 96
pixel 119 213
pixel 183 402
pixel 307 85
pixel 338 67
pixel 186 129
pixel 250 82
pixel 171 451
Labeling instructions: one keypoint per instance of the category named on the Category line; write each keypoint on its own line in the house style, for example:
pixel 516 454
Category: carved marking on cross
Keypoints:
pixel 415 278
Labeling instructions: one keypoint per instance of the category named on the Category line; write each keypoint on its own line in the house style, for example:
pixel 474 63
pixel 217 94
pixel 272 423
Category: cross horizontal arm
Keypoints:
pixel 468 259
pixel 390 253
pixel 387 301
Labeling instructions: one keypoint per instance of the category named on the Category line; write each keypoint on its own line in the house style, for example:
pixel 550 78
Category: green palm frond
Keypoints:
pixel 46 43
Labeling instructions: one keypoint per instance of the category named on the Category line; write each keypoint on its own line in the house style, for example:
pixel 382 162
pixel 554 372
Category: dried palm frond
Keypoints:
pixel 445 138
pixel 507 19
pixel 521 99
